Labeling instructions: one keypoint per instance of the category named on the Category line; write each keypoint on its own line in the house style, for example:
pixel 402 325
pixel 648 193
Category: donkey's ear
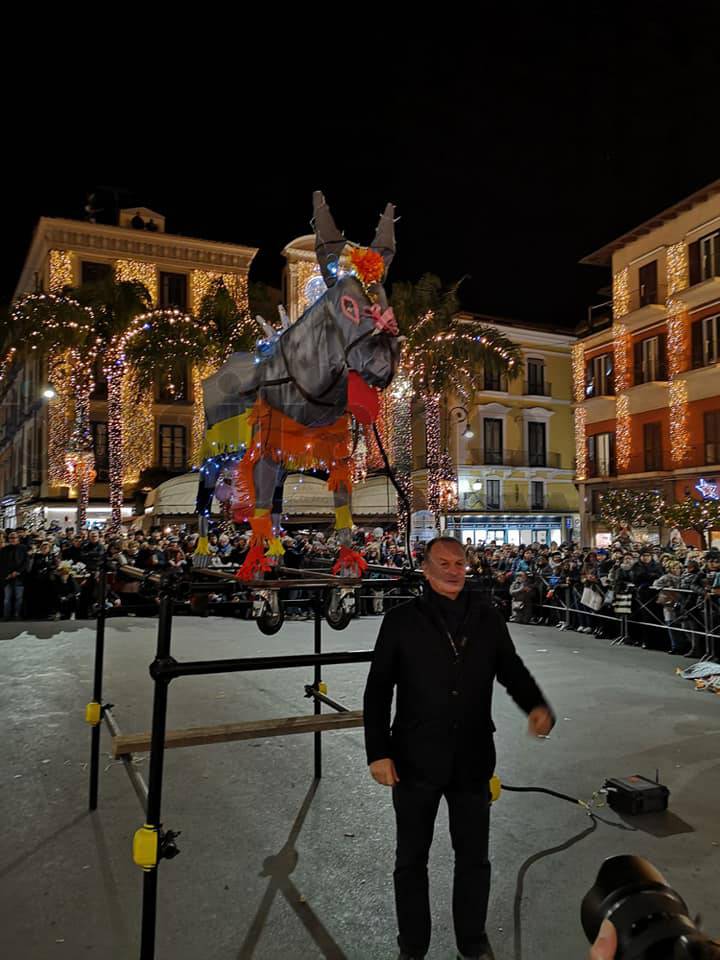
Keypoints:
pixel 384 242
pixel 329 242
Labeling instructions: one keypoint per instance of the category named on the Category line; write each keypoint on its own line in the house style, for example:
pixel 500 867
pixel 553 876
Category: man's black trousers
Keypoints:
pixel 416 806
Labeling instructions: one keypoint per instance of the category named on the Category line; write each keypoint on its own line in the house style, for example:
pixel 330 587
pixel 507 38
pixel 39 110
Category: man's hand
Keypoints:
pixel 605 947
pixel 384 772
pixel 540 722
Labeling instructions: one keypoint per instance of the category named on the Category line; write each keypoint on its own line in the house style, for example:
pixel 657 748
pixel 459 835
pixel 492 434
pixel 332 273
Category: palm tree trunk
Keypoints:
pixel 399 425
pixel 433 452
pixel 115 464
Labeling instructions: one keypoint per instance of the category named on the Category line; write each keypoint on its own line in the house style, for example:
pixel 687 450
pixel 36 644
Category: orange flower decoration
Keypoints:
pixel 368 265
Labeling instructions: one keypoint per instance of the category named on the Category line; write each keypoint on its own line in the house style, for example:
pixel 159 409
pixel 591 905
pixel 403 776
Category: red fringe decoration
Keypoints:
pixel 349 559
pixel 254 565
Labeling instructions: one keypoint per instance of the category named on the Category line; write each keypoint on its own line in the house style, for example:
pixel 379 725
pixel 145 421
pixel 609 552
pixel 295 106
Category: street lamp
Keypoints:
pixel 461 416
pixel 49 392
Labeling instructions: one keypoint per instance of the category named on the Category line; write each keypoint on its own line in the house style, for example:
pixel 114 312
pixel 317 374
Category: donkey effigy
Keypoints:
pixel 288 407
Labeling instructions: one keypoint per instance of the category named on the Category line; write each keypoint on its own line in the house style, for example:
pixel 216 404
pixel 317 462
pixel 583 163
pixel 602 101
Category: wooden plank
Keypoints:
pixel 224 732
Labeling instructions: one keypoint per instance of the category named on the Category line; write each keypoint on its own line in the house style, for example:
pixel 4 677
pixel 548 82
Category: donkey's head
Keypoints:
pixel 357 301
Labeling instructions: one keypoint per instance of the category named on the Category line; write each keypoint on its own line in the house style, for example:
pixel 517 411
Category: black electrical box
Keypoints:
pixel 635 795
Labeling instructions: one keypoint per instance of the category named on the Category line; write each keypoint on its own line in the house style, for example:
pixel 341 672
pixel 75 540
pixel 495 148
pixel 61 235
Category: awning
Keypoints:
pixel 304 496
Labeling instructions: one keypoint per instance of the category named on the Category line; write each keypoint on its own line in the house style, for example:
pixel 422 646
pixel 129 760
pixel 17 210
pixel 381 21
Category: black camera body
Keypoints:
pixel 651 919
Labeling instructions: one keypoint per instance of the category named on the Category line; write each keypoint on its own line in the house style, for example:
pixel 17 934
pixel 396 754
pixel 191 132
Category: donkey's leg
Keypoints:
pixel 343 517
pixel 267 475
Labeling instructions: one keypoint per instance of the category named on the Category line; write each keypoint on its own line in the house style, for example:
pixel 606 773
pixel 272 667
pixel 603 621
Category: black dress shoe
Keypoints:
pixel 486 953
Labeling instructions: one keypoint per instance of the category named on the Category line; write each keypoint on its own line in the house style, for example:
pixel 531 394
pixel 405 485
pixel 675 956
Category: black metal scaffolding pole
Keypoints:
pixel 155 779
pixel 97 688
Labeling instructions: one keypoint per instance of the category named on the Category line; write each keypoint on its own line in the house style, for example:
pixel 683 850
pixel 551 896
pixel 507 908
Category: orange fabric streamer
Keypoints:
pixel 340 476
pixel 295 445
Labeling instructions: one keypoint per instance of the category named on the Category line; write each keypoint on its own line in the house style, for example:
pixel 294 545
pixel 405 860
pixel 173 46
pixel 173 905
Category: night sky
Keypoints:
pixel 511 147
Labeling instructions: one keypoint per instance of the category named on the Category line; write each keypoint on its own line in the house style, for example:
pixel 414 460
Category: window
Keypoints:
pixel 704 258
pixel 537 495
pixel 492 440
pixel 92 272
pixel 494 380
pixel 599 376
pixel 173 290
pixel 100 447
pixel 650 359
pixel 712 436
pixel 536 377
pixel 705 335
pixel 601 455
pixel 652 446
pixel 648 283
pixel 537 456
pixel 596 501
pixel 172 447
pixel 492 494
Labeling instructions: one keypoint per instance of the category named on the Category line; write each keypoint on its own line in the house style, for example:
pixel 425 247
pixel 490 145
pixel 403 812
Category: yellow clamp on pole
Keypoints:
pixel 145 847
pixel 322 687
pixel 93 713
pixel 495 788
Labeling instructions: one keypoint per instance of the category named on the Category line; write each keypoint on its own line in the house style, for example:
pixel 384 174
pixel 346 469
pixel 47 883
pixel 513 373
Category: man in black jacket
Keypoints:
pixel 13 567
pixel 443 652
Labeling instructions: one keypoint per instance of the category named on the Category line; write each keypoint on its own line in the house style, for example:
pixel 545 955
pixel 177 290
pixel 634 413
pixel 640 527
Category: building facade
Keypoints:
pixel 647 380
pixel 177 272
pixel 513 448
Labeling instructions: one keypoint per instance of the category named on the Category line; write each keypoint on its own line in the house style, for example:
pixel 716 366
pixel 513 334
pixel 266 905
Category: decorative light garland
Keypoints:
pixel 399 422
pixel 677 267
pixel 360 458
pixel 200 372
pixel 201 284
pixel 631 508
pixel 432 443
pixel 61 270
pixel 448 485
pixel 578 372
pixel 136 409
pixel 580 443
pixel 60 413
pixel 621 293
pixel 623 433
pixel 140 271
pixel 679 431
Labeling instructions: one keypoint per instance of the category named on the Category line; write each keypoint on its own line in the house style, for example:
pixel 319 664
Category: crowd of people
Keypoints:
pixel 664 598
pixel 651 596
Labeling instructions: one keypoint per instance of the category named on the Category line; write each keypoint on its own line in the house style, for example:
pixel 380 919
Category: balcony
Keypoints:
pixel 657 461
pixel 513 458
pixel 476 501
pixel 493 383
pixel 535 388
pixel 601 468
pixel 645 306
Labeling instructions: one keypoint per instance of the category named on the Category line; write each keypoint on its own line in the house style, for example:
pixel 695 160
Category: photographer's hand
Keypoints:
pixel 605 947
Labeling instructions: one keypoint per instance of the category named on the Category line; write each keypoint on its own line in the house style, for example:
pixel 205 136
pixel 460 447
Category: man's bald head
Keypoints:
pixel 444 566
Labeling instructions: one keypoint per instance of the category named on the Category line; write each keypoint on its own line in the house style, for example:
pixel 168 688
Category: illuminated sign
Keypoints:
pixel 707 490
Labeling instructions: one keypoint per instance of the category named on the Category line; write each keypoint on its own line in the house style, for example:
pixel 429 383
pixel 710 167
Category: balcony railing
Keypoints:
pixel 646 296
pixel 652 461
pixel 537 388
pixel 513 458
pixel 477 501
pixel 493 382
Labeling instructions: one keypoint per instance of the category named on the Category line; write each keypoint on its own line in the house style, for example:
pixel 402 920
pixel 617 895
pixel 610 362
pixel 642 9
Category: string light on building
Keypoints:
pixel 622 346
pixel 60 415
pixel 61 270
pixel 141 272
pixel 199 373
pixel 578 372
pixel 137 443
pixel 678 337
pixel 580 443
pixel 399 422
pixel 679 429
pixel 360 465
pixel 203 281
pixel 448 485
pixel 677 268
pixel 623 432
pixel 621 293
